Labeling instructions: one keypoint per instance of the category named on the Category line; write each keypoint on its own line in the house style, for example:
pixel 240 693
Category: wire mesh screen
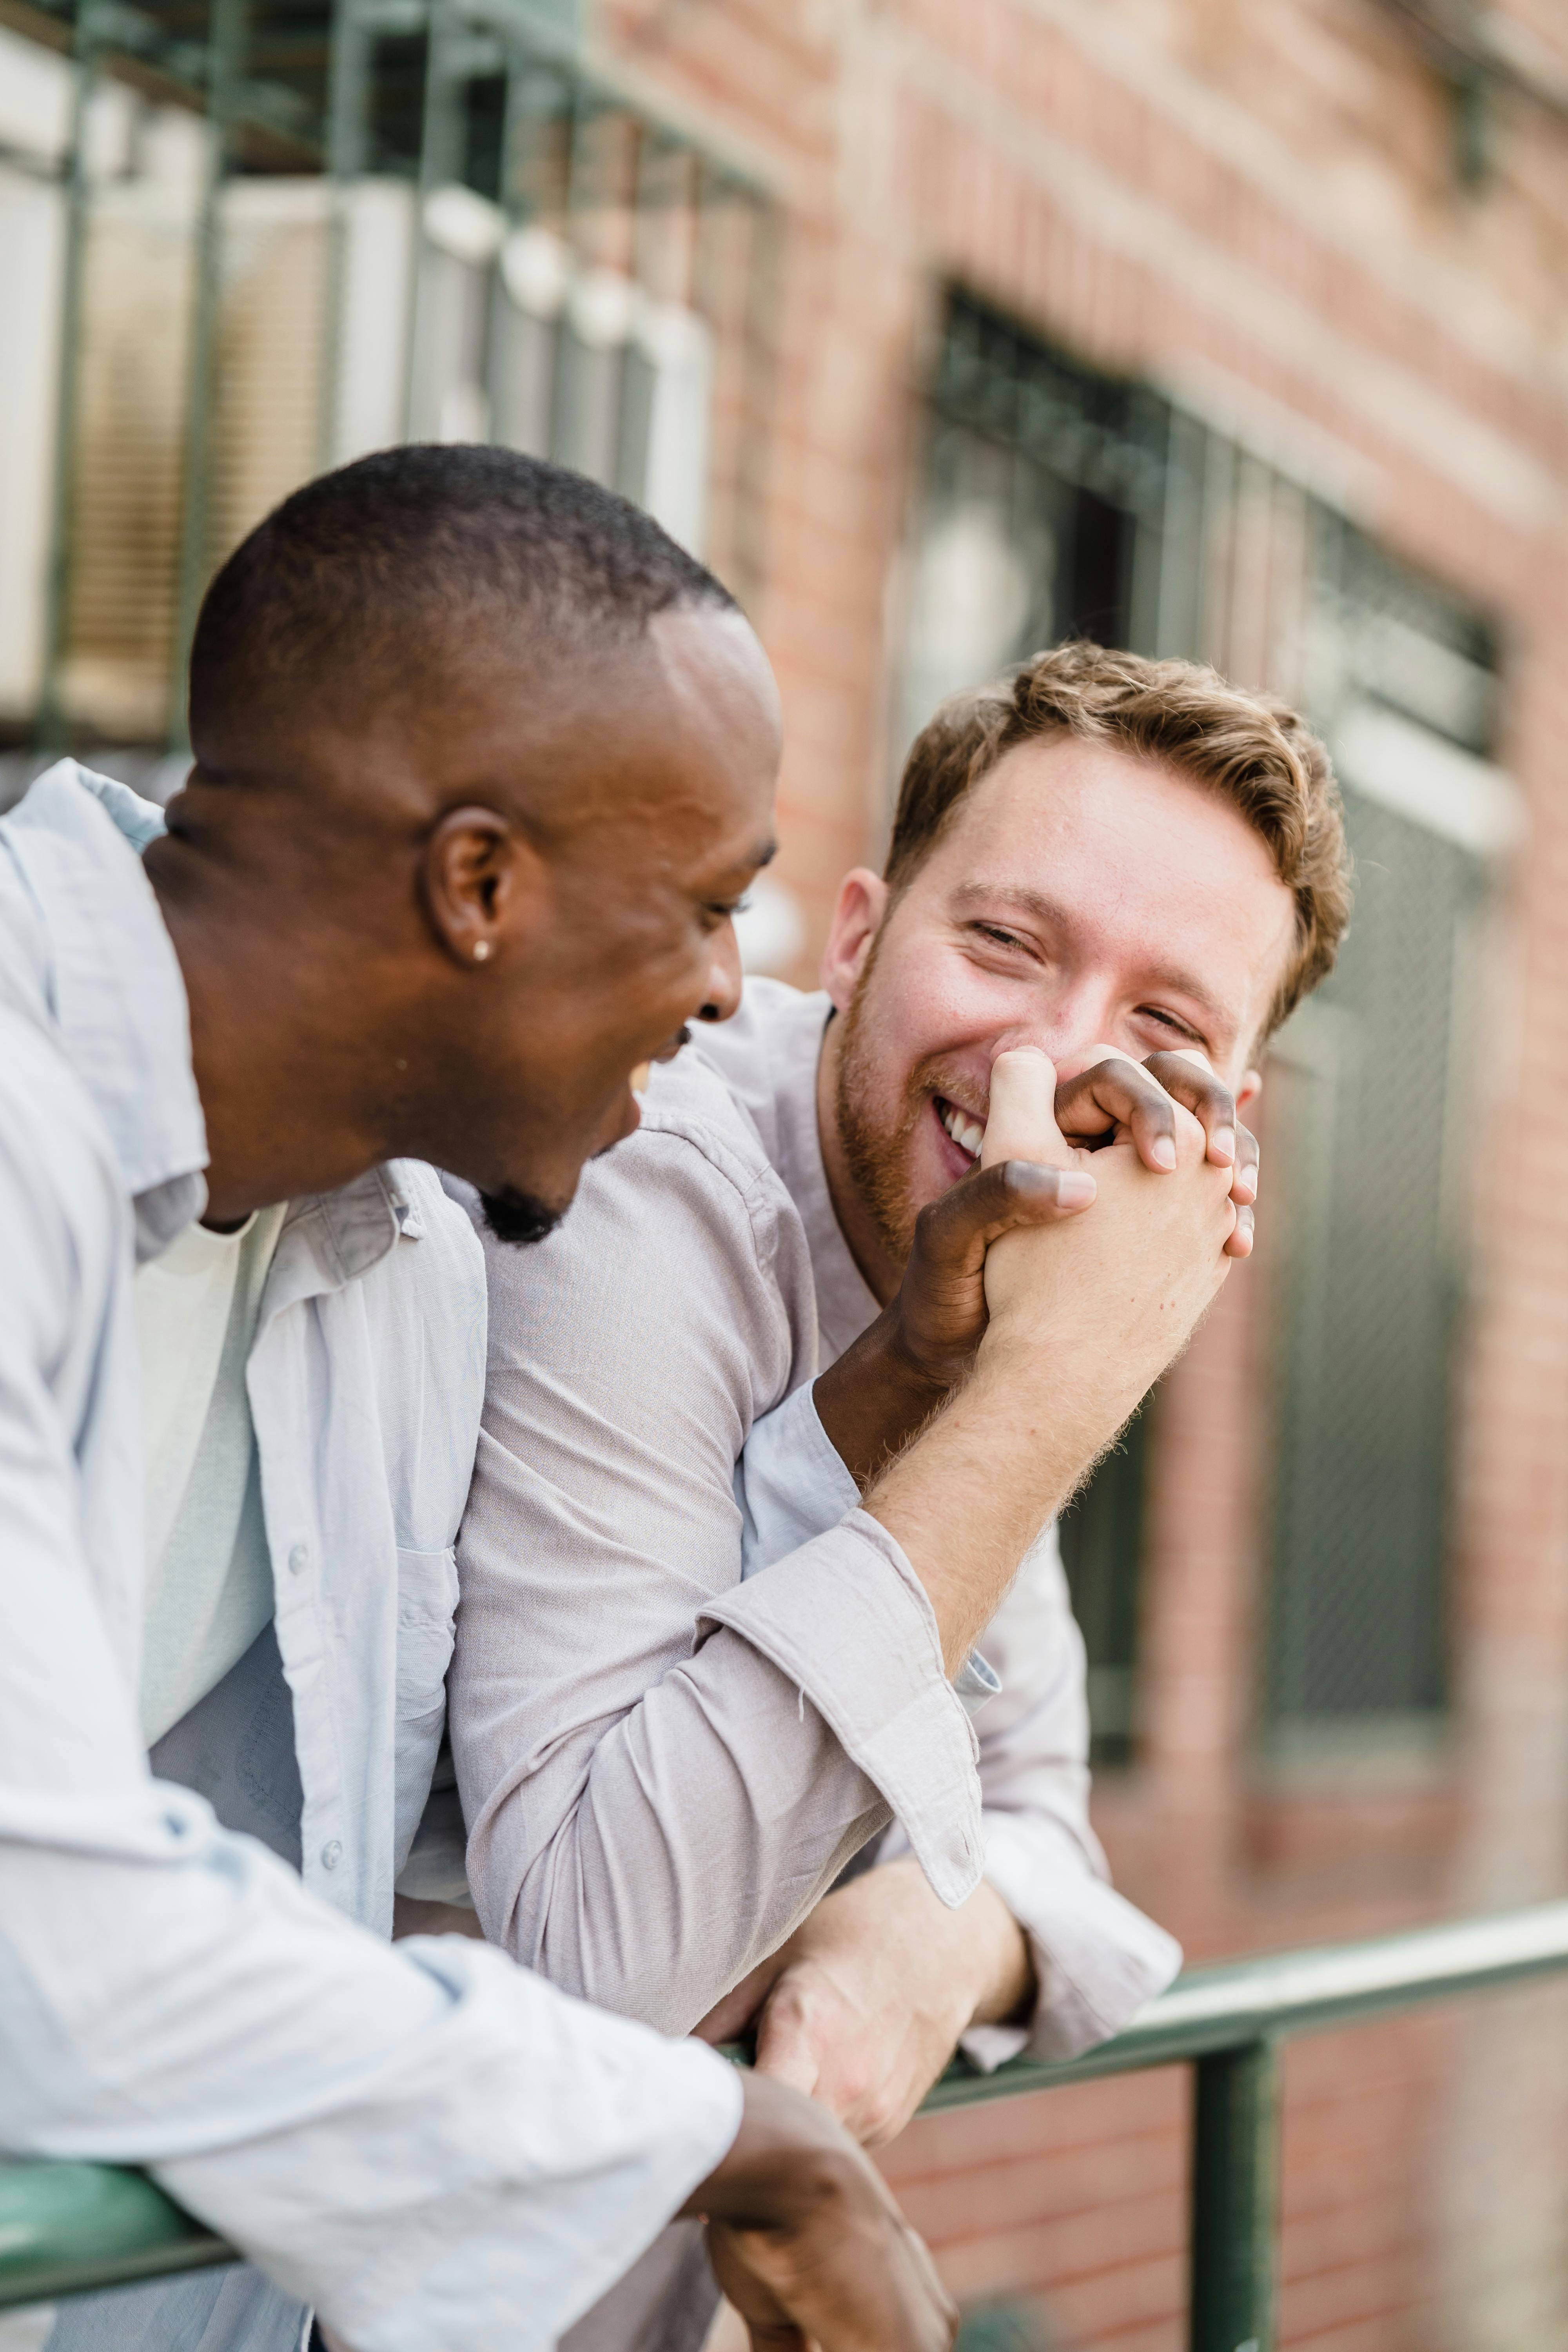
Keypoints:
pixel 1371 1288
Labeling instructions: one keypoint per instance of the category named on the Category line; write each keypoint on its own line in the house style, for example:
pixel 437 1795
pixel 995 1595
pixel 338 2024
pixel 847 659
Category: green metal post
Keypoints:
pixel 1235 2198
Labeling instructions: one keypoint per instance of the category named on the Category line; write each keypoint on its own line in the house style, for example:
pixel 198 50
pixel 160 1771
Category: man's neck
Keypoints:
pixel 879 1270
pixel 284 1113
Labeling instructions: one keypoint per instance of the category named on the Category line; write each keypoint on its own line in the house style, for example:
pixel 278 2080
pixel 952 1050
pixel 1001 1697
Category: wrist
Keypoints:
pixel 876 1397
pixel 1004 1982
pixel 906 1371
pixel 787 2155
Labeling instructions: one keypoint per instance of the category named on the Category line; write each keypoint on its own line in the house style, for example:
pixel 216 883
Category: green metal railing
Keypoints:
pixel 67 2228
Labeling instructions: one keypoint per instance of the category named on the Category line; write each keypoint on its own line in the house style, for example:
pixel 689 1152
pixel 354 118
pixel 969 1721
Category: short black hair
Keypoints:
pixel 382 572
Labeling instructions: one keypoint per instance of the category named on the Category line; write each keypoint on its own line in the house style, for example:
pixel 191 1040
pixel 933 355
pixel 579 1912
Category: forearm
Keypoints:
pixel 874 1400
pixel 331 2106
pixel 599 1867
pixel 993 1956
pixel 997 1463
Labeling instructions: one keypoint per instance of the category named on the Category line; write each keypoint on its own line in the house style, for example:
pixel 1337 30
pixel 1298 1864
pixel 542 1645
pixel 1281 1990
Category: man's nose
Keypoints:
pixel 1070 1030
pixel 724 977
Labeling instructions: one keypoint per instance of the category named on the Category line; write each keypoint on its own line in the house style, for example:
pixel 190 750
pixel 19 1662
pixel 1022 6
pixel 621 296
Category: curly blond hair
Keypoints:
pixel 1251 748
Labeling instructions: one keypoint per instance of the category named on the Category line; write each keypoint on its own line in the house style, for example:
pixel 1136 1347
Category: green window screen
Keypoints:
pixel 1102 1551
pixel 1366 1121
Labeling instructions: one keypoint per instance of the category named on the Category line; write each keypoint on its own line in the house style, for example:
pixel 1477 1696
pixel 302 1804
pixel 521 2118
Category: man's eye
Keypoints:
pixel 999 934
pixel 1169 1021
pixel 719 910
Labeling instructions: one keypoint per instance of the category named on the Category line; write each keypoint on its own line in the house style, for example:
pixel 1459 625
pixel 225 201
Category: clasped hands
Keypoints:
pixel 1139 1144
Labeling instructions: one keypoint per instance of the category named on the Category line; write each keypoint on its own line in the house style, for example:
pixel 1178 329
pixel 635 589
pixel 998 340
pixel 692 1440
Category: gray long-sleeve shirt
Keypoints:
pixel 664 1762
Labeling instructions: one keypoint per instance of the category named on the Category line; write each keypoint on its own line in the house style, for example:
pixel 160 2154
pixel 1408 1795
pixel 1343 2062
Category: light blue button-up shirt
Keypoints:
pixel 430 2143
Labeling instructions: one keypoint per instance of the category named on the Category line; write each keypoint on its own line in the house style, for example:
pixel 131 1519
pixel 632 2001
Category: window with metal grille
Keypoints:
pixel 243 243
pixel 1058 501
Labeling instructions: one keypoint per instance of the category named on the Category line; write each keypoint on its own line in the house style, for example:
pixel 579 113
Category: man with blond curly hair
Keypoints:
pixel 681 1731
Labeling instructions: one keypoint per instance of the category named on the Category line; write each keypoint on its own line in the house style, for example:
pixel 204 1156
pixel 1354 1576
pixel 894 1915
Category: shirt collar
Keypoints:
pixel 112 982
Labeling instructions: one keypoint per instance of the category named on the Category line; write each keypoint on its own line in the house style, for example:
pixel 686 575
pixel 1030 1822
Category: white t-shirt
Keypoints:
pixel 209 1578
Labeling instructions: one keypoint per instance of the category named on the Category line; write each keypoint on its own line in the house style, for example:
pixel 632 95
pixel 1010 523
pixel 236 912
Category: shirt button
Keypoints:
pixel 331 1853
pixel 299 1559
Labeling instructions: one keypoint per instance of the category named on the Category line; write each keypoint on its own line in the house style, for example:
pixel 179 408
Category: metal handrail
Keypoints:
pixel 67 2228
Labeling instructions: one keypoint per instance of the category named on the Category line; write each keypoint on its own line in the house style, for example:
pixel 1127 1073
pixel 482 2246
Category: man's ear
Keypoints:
pixel 862 903
pixel 480 879
pixel 1249 1089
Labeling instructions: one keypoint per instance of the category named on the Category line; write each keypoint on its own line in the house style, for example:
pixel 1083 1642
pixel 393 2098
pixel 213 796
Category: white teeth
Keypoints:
pixel 966 1132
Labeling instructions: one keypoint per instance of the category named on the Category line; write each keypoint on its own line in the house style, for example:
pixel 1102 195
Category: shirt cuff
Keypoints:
pixel 792 1483
pixel 793 1486
pixel 847 1621
pixel 1097 1958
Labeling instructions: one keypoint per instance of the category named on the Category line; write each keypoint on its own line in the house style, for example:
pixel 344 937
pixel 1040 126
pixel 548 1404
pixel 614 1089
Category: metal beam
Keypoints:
pixel 64 2228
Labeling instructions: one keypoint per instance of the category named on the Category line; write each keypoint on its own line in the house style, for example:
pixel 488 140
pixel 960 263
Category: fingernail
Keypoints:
pixel 1076 1189
pixel 1246 1185
pixel 1222 1144
pixel 1162 1152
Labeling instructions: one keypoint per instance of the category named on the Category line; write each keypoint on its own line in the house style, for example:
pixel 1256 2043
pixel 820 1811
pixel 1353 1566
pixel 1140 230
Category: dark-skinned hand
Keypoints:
pixel 806 2241
pixel 882 1391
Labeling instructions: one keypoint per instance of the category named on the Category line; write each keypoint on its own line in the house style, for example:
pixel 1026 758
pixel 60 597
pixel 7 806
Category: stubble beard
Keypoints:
pixel 876 1149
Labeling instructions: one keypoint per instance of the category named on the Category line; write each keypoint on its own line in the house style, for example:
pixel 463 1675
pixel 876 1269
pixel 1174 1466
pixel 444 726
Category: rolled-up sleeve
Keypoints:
pixel 1097 1958
pixel 662 1770
pixel 433 2146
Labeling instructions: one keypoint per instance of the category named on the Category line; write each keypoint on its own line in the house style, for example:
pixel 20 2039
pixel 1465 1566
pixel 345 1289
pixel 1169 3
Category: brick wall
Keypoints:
pixel 1256 203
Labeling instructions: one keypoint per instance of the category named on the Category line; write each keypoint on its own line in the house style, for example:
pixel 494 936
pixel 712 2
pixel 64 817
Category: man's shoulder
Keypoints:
pixel 687 1215
pixel 47 1110
pixel 691 1102
pixel 767 1053
pixel 61 1176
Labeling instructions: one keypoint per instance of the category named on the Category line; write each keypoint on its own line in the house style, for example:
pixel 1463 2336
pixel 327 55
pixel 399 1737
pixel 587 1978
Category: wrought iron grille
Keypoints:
pixel 265 235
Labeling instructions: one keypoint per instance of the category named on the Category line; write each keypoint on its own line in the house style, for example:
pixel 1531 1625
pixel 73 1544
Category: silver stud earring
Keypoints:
pixel 481 951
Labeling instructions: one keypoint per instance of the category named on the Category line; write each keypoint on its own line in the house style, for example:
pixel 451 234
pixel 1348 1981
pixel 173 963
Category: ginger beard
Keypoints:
pixel 876 1143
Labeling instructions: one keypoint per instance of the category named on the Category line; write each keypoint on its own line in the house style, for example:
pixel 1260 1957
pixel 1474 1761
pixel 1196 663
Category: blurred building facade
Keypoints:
pixel 1238 330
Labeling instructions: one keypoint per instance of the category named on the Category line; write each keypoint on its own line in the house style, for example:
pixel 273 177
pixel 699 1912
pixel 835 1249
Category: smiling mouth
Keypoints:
pixel 968 1133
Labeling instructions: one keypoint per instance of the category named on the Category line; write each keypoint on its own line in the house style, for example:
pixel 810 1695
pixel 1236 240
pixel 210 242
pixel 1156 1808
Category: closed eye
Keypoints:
pixel 1001 936
pixel 724 910
pixel 1182 1029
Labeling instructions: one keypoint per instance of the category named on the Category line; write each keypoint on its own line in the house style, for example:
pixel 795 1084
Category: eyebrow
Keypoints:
pixel 715 887
pixel 972 895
